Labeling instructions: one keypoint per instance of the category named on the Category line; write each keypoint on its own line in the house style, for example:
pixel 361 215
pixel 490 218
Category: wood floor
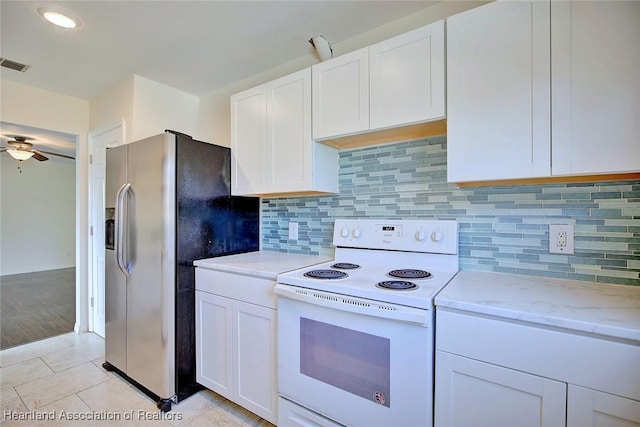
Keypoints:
pixel 36 305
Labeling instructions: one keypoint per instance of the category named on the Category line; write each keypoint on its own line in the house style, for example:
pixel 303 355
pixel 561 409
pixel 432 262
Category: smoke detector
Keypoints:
pixel 322 46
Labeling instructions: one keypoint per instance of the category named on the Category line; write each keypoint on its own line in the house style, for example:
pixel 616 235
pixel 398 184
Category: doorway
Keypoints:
pixel 99 140
pixel 38 241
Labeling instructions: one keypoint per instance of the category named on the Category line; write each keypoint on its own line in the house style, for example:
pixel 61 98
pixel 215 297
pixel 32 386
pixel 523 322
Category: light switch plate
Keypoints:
pixel 561 239
pixel 293 231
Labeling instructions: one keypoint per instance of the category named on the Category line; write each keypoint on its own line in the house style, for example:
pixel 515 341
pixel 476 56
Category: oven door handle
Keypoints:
pixel 355 305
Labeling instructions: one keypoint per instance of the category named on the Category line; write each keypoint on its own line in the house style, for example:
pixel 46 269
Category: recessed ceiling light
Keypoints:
pixel 60 17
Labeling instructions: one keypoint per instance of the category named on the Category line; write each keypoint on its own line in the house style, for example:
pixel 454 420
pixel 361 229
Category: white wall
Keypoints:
pixel 157 107
pixel 38 203
pixel 147 107
pixel 113 106
pixel 30 106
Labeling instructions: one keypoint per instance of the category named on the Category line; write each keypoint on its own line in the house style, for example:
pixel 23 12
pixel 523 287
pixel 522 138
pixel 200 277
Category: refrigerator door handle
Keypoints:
pixel 121 227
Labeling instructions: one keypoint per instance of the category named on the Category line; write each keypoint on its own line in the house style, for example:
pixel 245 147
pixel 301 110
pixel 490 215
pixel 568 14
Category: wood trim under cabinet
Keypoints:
pixel 291 194
pixel 389 135
pixel 553 180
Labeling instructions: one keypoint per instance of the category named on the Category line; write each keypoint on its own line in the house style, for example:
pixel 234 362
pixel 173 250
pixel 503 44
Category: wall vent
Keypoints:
pixel 7 63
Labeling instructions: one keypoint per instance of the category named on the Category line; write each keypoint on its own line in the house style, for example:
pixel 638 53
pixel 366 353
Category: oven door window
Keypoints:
pixel 356 362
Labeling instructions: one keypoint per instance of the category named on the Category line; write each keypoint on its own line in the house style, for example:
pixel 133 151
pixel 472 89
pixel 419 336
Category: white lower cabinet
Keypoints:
pixel 496 372
pixel 593 408
pixel 236 343
pixel 214 337
pixel 473 393
pixel 254 352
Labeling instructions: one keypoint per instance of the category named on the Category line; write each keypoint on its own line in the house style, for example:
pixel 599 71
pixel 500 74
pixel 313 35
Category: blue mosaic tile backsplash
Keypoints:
pixel 501 229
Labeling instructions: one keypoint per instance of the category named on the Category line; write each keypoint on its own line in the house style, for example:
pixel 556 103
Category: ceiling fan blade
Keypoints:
pixel 39 156
pixel 16 138
pixel 55 154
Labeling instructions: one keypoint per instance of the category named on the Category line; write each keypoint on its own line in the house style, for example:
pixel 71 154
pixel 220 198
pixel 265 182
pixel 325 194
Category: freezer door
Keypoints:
pixel 115 281
pixel 151 258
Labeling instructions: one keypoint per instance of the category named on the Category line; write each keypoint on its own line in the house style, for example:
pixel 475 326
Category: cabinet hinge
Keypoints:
pixel 91 302
pixel 90 159
pixel 91 230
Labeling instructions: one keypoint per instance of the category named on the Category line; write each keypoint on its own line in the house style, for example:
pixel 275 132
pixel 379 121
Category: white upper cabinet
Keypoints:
pixel 498 92
pixel 249 141
pixel 289 144
pixel 596 87
pixel 271 145
pixel 394 83
pixel 407 75
pixel 541 89
pixel 341 95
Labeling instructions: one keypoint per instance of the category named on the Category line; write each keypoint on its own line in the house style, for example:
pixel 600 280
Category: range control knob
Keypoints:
pixel 345 232
pixel 437 236
pixel 420 236
pixel 356 233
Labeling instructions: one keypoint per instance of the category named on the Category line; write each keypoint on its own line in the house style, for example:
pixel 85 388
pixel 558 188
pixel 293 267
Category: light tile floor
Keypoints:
pixel 60 381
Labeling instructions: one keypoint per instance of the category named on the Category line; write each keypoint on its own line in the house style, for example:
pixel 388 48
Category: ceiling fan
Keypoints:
pixel 20 149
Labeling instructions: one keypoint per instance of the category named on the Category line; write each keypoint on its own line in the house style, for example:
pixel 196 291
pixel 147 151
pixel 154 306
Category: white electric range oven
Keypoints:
pixel 356 335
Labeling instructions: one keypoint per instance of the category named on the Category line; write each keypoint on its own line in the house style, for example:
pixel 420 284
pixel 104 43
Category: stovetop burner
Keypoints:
pixel 326 274
pixel 410 273
pixel 395 266
pixel 397 285
pixel 345 266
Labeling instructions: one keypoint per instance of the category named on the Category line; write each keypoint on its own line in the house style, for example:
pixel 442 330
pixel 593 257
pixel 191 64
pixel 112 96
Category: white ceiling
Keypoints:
pixel 194 46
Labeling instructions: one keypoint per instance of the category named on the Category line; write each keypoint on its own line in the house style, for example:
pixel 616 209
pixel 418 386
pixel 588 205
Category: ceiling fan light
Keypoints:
pixel 19 154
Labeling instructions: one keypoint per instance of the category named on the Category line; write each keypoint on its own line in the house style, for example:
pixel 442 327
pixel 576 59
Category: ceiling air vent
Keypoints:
pixel 7 63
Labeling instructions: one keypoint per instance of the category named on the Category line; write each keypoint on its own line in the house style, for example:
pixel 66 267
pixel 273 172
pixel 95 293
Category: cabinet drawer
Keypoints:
pixel 589 361
pixel 249 289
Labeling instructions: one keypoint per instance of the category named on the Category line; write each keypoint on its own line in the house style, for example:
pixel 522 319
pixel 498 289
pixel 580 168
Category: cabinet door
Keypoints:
pixel 248 141
pixel 341 95
pixel 407 78
pixel 214 322
pixel 473 393
pixel 596 86
pixel 289 132
pixel 588 407
pixel 254 351
pixel 498 92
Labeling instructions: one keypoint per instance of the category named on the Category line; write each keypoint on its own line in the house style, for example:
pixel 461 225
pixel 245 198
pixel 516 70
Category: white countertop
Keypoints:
pixel 264 264
pixel 602 309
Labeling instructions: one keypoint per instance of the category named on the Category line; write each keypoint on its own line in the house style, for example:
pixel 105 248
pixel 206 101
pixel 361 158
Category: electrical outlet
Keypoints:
pixel 561 239
pixel 293 231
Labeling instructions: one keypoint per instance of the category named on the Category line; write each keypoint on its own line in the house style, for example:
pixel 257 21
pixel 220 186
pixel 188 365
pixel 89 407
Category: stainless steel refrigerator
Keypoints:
pixel 168 203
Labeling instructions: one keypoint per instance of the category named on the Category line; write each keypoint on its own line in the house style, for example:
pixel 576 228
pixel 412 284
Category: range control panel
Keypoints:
pixel 435 236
